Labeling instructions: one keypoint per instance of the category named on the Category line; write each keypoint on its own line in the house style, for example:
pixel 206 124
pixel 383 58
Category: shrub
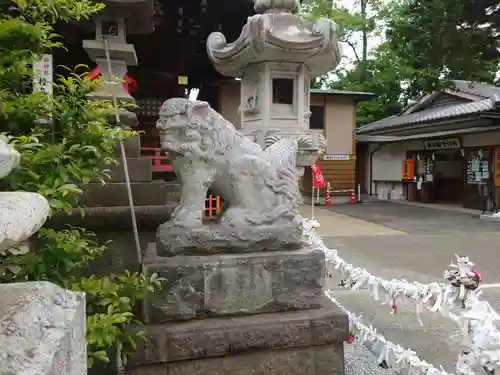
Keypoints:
pixel 76 147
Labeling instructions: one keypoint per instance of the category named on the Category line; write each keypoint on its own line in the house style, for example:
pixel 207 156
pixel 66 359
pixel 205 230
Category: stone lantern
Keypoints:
pixel 276 56
pixel 111 27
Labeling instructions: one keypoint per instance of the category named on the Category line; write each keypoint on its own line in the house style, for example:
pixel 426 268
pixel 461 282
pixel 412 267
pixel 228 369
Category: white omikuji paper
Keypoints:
pixel 476 318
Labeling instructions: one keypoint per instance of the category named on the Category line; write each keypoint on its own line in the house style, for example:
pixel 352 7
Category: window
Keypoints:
pixel 317 120
pixel 283 91
pixel 110 28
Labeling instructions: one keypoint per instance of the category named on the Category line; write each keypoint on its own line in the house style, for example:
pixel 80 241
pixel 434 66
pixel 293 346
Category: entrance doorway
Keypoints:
pixel 442 175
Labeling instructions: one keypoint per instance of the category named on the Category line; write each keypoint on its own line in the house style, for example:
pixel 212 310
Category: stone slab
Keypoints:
pixel 132 147
pixel 42 330
pixel 219 337
pixel 232 284
pixel 214 238
pixel 316 360
pixel 139 169
pixel 113 218
pixel 115 194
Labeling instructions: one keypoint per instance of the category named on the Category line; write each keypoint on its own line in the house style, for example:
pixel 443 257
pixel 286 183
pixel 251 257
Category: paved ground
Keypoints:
pixel 415 243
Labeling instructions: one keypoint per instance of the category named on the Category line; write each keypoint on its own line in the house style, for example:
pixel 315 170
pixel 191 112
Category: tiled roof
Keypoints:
pixel 489 92
pixel 356 94
pixel 476 88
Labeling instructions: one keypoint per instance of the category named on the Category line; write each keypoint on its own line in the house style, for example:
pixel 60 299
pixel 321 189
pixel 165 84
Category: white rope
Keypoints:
pixel 476 317
pixel 389 355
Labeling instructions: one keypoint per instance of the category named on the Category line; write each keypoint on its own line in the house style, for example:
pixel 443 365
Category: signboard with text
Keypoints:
pixel 496 167
pixel 42 75
pixel 440 144
pixel 336 157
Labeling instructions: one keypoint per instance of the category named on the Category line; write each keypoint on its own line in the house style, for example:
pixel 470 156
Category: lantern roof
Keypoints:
pixel 278 34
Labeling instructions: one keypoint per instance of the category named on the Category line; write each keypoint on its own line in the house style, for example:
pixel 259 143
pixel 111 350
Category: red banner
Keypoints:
pixel 318 180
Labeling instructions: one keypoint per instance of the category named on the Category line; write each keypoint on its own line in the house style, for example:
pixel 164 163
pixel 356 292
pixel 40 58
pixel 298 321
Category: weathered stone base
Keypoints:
pixel 318 360
pixel 226 285
pixel 214 238
pixel 302 343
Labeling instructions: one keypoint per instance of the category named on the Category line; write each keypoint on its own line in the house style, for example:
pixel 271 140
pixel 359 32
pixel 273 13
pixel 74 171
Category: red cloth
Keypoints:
pixel 129 83
pixel 318 180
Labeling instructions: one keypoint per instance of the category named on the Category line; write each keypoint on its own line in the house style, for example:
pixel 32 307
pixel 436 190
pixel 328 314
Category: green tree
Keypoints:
pixel 54 162
pixel 441 40
pixel 378 75
pixel 426 43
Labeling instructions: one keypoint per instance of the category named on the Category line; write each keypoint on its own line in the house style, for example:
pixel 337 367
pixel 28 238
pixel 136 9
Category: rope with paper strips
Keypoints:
pixel 389 355
pixel 458 300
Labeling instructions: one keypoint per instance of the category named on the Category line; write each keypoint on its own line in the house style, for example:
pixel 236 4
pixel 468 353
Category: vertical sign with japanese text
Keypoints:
pixel 42 75
pixel 318 180
pixel 496 166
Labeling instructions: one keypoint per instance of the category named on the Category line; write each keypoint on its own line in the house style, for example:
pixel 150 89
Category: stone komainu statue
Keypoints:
pixel 206 151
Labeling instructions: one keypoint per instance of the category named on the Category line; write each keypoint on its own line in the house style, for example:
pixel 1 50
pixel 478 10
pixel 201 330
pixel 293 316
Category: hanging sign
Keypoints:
pixel 318 180
pixel 496 167
pixel 336 157
pixel 42 75
pixel 408 169
pixel 440 144
pixel 182 80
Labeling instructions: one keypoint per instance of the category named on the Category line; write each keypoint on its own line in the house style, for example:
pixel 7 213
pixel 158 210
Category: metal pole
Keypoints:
pixel 119 363
pixel 125 167
pixel 312 198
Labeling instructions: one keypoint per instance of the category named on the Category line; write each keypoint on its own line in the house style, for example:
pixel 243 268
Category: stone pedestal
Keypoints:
pixel 288 343
pixel 257 313
pixel 214 238
pixel 42 330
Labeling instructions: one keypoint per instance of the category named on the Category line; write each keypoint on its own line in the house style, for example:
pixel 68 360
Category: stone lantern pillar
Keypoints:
pixel 276 56
pixel 111 27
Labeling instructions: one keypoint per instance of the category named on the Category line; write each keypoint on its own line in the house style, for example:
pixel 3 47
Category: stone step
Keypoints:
pixel 132 147
pixel 115 194
pixel 116 218
pixel 224 285
pixel 139 169
pixel 292 343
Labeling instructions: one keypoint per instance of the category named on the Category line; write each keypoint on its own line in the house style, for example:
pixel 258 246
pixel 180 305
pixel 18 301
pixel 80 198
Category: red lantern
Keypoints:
pixel 130 84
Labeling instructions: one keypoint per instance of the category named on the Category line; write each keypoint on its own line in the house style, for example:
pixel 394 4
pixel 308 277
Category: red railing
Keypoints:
pixel 212 207
pixel 160 162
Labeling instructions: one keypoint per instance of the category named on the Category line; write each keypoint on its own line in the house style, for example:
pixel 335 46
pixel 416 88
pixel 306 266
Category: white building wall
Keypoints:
pixel 482 139
pixel 387 167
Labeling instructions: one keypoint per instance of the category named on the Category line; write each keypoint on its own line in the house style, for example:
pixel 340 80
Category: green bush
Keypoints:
pixel 77 147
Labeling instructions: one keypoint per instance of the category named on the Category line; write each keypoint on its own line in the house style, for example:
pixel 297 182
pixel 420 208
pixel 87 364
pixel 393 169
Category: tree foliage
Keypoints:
pixel 441 40
pixel 422 45
pixel 74 148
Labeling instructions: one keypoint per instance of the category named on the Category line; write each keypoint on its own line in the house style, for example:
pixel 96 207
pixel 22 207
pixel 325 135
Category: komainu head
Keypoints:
pixel 192 128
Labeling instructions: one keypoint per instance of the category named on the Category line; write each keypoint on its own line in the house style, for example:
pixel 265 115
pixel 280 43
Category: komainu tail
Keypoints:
pixel 283 156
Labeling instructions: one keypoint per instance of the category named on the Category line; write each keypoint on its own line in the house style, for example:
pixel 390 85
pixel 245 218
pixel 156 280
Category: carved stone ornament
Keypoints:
pixel 260 188
pixel 21 213
pixel 277 35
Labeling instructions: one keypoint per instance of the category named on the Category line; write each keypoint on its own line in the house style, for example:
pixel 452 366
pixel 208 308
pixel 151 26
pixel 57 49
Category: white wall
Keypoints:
pixel 482 139
pixel 387 167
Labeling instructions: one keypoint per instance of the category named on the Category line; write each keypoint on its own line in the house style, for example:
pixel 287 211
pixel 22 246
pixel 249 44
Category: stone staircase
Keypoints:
pixel 107 210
